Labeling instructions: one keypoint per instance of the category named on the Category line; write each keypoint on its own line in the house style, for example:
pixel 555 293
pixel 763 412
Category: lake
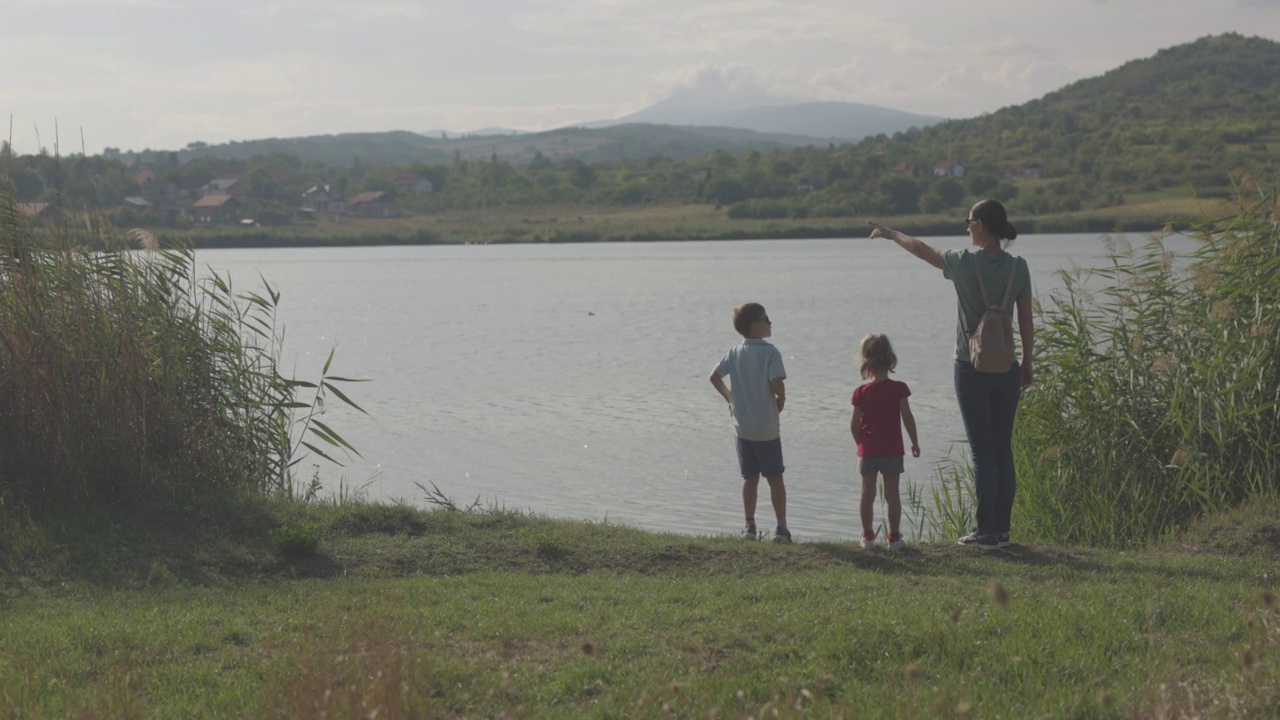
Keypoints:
pixel 571 380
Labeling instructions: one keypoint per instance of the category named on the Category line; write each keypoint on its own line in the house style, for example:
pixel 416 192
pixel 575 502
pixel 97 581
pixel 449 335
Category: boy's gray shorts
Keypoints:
pixel 760 457
pixel 880 465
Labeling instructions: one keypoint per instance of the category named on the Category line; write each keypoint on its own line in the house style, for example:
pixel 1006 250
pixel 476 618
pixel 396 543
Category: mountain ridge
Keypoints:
pixel 667 132
pixel 829 120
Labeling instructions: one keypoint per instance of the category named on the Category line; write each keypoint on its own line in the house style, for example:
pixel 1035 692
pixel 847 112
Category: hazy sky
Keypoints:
pixel 159 74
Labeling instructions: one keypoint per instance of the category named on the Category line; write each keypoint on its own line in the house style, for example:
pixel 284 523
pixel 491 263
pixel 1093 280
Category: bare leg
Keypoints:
pixel 778 496
pixel 894 502
pixel 868 505
pixel 749 486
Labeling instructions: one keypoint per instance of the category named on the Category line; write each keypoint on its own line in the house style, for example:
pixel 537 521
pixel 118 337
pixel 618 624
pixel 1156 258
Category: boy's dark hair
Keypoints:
pixel 745 315
pixel 877 354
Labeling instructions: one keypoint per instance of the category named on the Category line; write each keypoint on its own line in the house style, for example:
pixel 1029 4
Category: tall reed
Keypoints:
pixel 123 373
pixel 1156 395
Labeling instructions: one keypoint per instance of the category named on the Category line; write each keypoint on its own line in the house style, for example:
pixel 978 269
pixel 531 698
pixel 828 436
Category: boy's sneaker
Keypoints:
pixel 896 542
pixel 979 540
pixel 782 535
pixel 1002 539
pixel 750 533
pixel 868 540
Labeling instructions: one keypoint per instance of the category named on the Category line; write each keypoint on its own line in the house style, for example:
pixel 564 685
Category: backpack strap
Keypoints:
pixel 1008 289
pixel 982 287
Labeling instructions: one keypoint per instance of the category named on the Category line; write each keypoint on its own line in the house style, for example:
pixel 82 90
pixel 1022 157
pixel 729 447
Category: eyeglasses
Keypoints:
pixel 970 221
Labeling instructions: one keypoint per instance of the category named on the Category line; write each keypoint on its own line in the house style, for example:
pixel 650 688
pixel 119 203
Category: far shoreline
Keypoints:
pixel 656 224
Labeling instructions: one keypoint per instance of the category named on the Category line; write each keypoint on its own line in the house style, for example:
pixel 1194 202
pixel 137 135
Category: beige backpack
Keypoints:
pixel 991 343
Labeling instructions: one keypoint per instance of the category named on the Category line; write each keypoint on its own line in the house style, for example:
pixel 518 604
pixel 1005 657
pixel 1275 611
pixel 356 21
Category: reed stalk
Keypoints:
pixel 124 374
pixel 1156 395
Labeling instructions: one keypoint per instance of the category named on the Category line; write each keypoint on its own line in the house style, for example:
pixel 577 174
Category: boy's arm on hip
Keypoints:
pixel 779 389
pixel 718 383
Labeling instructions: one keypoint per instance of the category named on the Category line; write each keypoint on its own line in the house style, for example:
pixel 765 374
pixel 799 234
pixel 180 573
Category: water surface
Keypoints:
pixel 571 380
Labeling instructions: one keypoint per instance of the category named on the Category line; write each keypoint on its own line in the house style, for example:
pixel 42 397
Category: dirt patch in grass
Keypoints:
pixel 1251 529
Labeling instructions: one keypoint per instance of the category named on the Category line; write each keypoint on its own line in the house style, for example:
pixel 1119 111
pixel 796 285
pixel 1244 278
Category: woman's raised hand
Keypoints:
pixel 880 231
pixel 908 243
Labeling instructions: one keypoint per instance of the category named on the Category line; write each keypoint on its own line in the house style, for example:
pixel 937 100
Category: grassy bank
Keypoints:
pixel 161 557
pixel 402 613
pixel 654 223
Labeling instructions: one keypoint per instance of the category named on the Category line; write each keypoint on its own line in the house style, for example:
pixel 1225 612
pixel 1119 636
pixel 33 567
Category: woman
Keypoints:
pixel 988 401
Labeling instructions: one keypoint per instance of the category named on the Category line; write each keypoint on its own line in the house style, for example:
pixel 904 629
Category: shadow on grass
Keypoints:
pixel 212 540
pixel 206 538
pixel 945 559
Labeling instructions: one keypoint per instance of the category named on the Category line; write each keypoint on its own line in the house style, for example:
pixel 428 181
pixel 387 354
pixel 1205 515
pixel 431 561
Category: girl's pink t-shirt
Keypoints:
pixel 881 422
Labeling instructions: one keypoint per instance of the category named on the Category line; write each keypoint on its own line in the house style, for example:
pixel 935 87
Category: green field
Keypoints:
pixel 408 614
pixel 666 222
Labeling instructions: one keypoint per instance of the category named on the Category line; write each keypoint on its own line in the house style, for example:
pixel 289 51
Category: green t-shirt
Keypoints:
pixel 959 267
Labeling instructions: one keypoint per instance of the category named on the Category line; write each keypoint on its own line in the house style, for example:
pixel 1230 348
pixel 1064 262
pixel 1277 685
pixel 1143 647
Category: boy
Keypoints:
pixel 756 396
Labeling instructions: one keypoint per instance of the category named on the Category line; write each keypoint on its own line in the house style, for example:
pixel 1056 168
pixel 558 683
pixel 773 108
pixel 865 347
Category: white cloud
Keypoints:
pixel 735 85
pixel 162 73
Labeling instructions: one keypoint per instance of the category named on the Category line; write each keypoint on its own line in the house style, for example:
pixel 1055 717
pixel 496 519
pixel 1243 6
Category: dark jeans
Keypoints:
pixel 988 404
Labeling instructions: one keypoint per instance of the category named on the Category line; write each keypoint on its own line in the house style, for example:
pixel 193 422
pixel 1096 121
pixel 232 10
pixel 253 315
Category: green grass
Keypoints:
pixel 490 614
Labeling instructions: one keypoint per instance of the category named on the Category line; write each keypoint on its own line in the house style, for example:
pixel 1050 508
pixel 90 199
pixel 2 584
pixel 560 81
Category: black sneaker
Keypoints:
pixel 979 540
pixel 781 536
pixel 1002 539
pixel 750 533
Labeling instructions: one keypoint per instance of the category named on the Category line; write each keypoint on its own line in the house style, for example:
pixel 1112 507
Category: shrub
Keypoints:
pixel 125 374
pixel 295 541
pixel 1156 394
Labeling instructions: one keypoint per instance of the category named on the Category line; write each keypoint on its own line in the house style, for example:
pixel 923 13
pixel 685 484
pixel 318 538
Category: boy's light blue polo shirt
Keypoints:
pixel 751 366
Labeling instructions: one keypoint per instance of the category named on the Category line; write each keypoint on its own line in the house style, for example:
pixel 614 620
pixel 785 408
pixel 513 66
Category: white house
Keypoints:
pixel 412 185
pixel 949 167
pixel 323 200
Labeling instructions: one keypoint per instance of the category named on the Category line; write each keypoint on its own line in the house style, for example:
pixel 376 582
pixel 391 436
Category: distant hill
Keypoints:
pixel 1185 117
pixel 636 141
pixel 681 127
pixel 839 121
pixel 376 148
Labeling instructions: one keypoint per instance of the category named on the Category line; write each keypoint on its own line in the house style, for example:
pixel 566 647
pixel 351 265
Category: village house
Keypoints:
pixel 138 204
pixel 373 204
pixel 321 200
pixel 1031 171
pixel 188 188
pixel 949 167
pixel 217 209
pixel 161 195
pixel 225 186
pixel 810 182
pixel 902 169
pixel 411 185
pixel 151 187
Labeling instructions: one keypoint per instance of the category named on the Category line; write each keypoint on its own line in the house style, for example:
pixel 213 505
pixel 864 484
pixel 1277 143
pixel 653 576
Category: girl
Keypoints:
pixel 880 409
